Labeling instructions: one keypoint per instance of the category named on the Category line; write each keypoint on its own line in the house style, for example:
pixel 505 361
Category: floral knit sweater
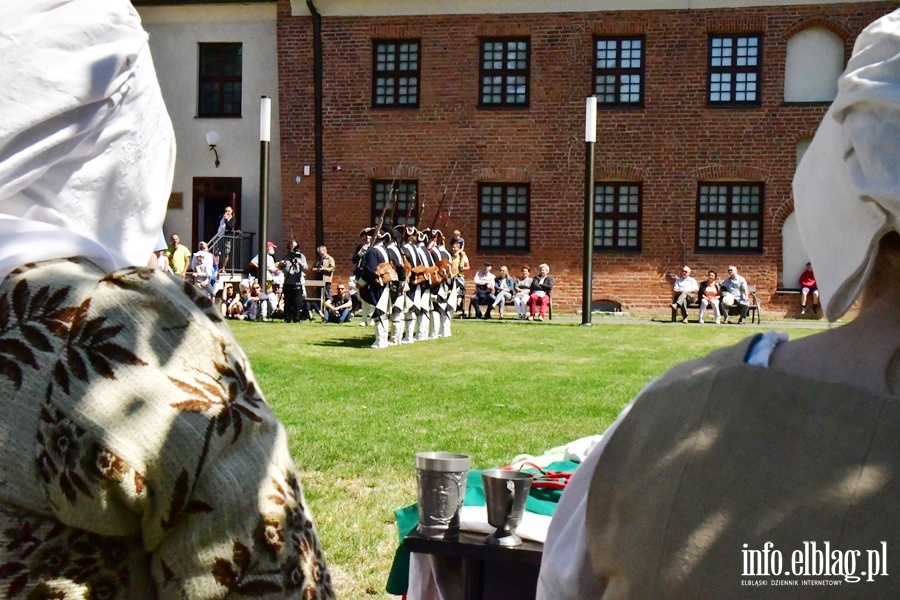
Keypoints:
pixel 138 458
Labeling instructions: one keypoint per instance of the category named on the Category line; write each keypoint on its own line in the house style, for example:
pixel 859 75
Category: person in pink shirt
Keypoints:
pixel 808 286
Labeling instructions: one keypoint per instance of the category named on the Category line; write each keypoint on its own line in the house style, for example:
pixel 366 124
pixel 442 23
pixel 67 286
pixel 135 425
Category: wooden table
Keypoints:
pixel 491 572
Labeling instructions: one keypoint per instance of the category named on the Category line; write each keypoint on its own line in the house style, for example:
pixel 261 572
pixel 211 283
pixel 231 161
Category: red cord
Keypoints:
pixel 553 480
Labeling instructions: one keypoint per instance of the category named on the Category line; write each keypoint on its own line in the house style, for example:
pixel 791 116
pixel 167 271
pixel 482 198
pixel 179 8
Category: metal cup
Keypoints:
pixel 505 493
pixel 442 489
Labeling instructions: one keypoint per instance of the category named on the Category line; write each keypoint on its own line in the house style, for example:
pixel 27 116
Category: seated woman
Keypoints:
pixel 770 445
pixel 539 300
pixel 523 293
pixel 709 296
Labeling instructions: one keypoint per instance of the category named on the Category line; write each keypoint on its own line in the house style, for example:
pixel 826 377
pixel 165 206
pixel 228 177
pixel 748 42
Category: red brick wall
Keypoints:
pixel 670 144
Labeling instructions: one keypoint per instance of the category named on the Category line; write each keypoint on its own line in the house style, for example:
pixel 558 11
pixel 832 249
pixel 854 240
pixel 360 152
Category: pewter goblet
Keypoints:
pixel 442 489
pixel 505 493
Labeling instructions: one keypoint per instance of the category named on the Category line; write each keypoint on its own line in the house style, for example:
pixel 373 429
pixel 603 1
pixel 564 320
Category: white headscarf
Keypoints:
pixel 87 150
pixel 847 187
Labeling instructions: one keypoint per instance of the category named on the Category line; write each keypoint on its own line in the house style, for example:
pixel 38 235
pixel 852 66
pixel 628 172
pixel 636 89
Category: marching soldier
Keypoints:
pixel 443 293
pixel 426 266
pixel 377 273
pixel 399 300
pixel 409 235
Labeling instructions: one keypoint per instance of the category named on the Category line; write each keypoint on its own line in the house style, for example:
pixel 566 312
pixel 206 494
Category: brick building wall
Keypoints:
pixel 669 144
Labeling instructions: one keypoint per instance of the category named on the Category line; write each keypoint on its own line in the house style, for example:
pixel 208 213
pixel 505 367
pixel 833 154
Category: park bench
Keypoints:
pixel 754 312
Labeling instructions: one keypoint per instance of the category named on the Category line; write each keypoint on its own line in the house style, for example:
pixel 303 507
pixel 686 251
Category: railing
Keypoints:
pixel 232 251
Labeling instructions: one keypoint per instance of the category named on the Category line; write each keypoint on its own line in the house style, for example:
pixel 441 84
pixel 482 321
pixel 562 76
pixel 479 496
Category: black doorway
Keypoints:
pixel 211 196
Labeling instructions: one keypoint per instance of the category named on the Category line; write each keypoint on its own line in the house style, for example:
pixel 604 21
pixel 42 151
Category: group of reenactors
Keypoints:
pixel 406 275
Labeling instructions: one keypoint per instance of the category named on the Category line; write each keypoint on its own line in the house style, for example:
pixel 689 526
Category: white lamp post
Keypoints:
pixel 590 136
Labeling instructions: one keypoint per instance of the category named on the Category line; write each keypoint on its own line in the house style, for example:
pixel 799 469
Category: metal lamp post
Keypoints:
pixel 590 136
pixel 265 136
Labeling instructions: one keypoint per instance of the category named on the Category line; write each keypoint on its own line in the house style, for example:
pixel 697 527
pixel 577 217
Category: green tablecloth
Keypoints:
pixel 541 501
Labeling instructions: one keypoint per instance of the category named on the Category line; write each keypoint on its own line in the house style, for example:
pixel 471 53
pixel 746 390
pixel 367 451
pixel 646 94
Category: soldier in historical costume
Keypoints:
pixel 423 276
pixel 358 258
pixel 399 301
pixel 443 289
pixel 376 274
pixel 409 238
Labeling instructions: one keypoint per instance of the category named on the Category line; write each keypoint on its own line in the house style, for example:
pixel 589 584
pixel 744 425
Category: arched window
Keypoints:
pixel 815 60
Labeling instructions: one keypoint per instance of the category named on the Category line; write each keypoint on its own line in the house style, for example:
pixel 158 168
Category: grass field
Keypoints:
pixel 357 416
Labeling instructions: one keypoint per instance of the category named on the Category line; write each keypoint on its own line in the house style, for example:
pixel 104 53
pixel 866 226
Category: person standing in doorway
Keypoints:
pixel 227 231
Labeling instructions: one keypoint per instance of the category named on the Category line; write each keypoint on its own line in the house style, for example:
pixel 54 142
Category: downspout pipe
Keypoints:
pixel 319 128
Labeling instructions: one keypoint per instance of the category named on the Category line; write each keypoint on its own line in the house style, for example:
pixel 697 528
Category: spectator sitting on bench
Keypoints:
pixel 484 291
pixel 505 287
pixel 808 286
pixel 709 296
pixel 541 286
pixel 735 296
pixel 523 293
pixel 684 292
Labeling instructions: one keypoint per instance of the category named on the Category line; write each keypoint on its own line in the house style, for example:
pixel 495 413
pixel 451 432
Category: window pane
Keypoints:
pixel 734 69
pixel 617 209
pixel 618 70
pixel 739 223
pixel 406 193
pixel 220 74
pixel 504 72
pixel 395 73
pixel 503 216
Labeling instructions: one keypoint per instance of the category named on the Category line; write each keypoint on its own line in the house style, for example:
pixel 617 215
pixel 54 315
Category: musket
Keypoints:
pixel 452 201
pixel 395 197
pixel 437 213
pixel 384 206
pixel 421 210
pixel 409 205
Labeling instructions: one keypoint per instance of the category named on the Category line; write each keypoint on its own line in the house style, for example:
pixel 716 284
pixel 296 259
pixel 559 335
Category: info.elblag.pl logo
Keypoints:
pixel 829 566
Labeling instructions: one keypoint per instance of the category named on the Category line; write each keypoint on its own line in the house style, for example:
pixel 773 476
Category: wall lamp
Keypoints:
pixel 212 138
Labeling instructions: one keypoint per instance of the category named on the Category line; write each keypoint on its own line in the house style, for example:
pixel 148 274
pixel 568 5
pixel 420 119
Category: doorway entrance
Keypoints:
pixel 211 196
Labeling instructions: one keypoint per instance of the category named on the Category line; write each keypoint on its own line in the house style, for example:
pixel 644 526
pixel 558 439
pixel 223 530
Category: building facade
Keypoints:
pixel 214 61
pixel 478 109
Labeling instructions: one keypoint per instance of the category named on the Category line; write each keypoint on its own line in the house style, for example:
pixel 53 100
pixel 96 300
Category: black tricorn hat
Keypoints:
pixel 367 231
pixel 406 230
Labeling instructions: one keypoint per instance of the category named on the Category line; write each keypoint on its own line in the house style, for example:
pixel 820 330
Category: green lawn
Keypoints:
pixel 357 416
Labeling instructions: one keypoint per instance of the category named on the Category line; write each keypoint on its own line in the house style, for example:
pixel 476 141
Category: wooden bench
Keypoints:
pixel 754 310
pixel 507 305
pixel 676 314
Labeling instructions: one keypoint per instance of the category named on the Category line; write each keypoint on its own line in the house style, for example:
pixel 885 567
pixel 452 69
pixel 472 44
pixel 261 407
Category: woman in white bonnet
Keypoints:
pixel 759 456
pixel 138 457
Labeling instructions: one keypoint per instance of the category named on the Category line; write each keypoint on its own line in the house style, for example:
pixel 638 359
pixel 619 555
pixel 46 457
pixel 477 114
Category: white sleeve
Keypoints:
pixel 565 573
